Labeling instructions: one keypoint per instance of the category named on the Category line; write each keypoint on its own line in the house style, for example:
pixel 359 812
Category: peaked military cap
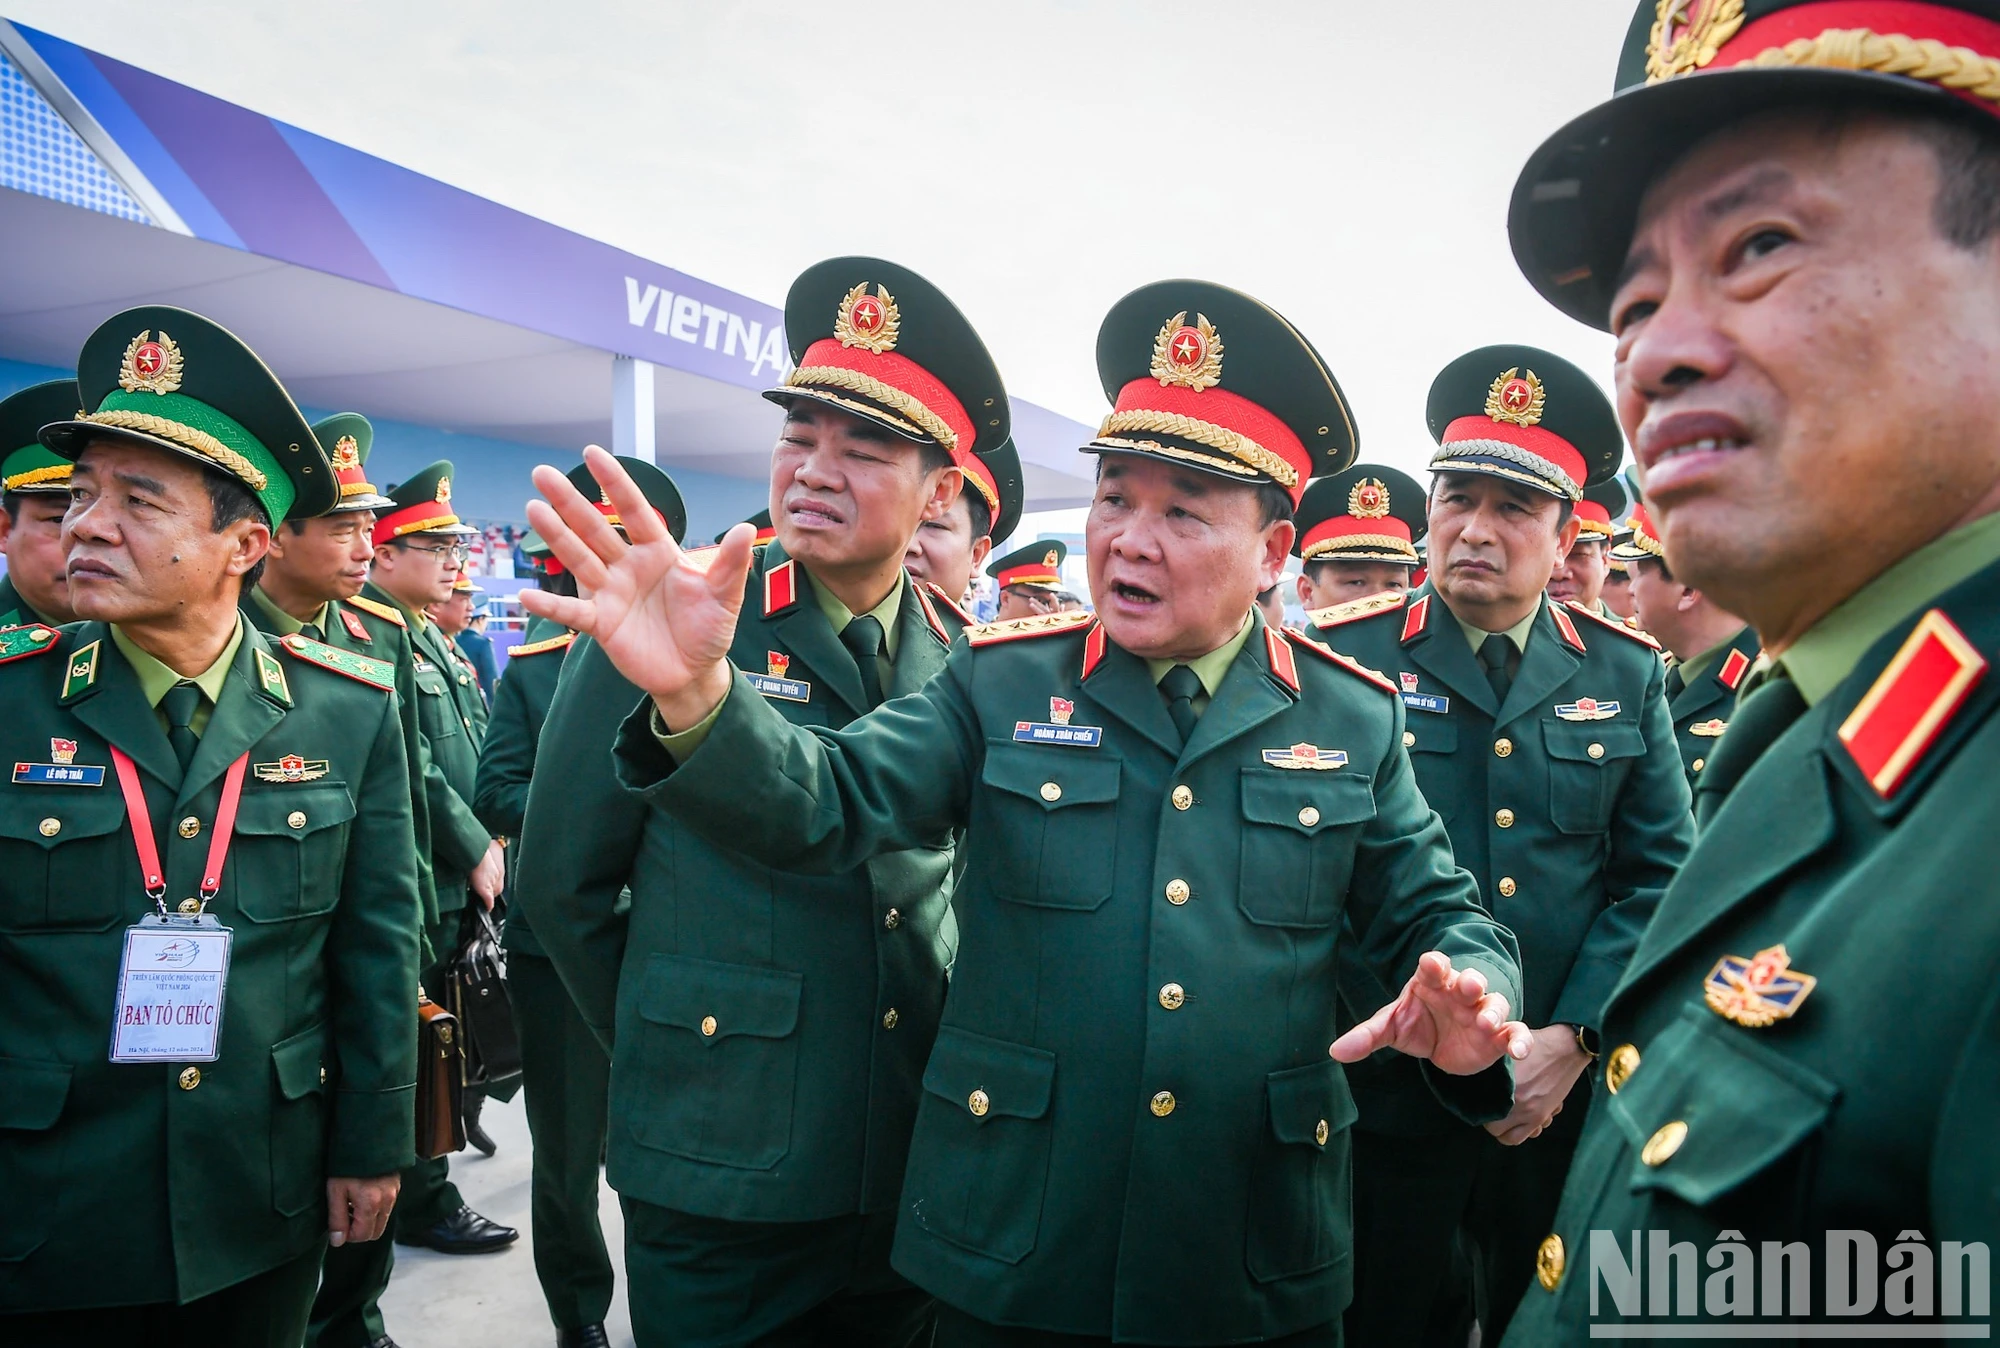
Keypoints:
pixel 348 438
pixel 879 341
pixel 421 505
pixel 761 522
pixel 1001 467
pixel 175 381
pixel 1691 67
pixel 1644 539
pixel 464 585
pixel 1038 564
pixel 652 482
pixel 1367 513
pixel 1526 415
pixel 26 464
pixel 1604 508
pixel 1205 376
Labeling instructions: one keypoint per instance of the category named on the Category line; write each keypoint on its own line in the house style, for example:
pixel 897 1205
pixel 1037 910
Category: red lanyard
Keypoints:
pixel 148 847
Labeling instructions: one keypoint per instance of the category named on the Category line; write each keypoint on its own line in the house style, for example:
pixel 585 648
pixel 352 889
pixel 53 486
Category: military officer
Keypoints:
pixel 1787 217
pixel 947 552
pixel 34 493
pixel 1358 532
pixel 1713 650
pixel 460 620
pixel 1130 1127
pixel 1030 579
pixel 760 1160
pixel 1539 731
pixel 565 1071
pixel 177 1159
pixel 418 554
pixel 1580 576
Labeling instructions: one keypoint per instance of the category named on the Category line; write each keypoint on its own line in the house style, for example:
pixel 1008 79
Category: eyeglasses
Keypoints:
pixel 451 552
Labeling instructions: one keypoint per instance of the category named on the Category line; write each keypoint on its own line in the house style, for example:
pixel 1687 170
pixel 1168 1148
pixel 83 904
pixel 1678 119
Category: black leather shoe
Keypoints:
pixel 590 1336
pixel 465 1232
pixel 384 1342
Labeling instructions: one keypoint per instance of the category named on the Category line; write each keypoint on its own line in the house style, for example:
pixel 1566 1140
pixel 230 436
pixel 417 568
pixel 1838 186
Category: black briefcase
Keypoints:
pixel 478 993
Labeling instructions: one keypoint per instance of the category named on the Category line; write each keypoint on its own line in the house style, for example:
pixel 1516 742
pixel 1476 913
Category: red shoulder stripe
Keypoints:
pixel 781 588
pixel 1901 716
pixel 931 617
pixel 1280 651
pixel 1416 618
pixel 1567 628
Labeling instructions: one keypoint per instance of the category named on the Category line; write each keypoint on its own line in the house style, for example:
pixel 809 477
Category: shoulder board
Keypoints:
pixel 1329 654
pixel 1416 617
pixel 386 612
pixel 361 668
pixel 1733 669
pixel 948 604
pixel 1041 625
pixel 561 643
pixel 29 639
pixel 1608 624
pixel 1908 707
pixel 271 678
pixel 1353 609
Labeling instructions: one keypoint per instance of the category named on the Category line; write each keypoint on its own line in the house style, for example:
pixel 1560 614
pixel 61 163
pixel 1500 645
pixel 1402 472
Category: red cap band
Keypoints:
pixel 416 519
pixel 1898 18
pixel 1350 526
pixel 905 388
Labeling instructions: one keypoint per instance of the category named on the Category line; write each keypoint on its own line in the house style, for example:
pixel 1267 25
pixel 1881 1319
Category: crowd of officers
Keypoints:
pixel 1148 973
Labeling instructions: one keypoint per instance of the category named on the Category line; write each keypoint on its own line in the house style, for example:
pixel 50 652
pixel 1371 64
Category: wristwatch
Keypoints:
pixel 1586 1039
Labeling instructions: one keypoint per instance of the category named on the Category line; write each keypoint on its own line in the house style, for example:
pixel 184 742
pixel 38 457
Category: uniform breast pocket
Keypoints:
pixel 66 861
pixel 291 850
pixel 1299 832
pixel 981 1167
pixel 437 714
pixel 1299 1188
pixel 1055 815
pixel 1588 763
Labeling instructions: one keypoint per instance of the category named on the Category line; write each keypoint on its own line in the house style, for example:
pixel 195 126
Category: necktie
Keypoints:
pixel 1493 654
pixel 1181 685
pixel 180 704
pixel 1676 682
pixel 1759 720
pixel 863 638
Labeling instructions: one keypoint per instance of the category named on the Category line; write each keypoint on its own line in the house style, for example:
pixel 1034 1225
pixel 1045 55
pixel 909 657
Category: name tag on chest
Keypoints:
pixel 1426 702
pixel 785 690
pixel 1048 732
pixel 71 774
pixel 170 986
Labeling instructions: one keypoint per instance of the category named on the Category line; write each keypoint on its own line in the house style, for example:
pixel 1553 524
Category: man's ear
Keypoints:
pixel 950 482
pixel 1566 536
pixel 1689 598
pixel 1278 536
pixel 6 530
pixel 251 540
pixel 982 548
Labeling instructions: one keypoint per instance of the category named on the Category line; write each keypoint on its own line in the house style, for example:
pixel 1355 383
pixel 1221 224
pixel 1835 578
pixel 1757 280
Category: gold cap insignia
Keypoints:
pixel 1049 558
pixel 444 491
pixel 346 454
pixel 1516 399
pixel 870 322
pixel 1687 34
pixel 151 365
pixel 1188 356
pixel 1369 499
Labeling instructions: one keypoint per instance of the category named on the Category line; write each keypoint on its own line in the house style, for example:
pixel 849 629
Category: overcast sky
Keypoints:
pixel 1347 162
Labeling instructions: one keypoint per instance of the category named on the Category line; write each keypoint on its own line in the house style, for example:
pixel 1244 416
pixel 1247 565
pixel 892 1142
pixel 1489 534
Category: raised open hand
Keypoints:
pixel 1445 1015
pixel 664 620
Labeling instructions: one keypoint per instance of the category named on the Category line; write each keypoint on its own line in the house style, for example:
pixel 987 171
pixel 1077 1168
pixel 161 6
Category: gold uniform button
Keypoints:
pixel 1183 798
pixel 1177 892
pixel 1504 818
pixel 1549 1262
pixel 1308 816
pixel 978 1102
pixel 1503 746
pixel 1700 763
pixel 1409 739
pixel 1163 1104
pixel 297 819
pixel 190 1078
pixel 1595 751
pixel 190 906
pixel 1319 1133
pixel 322 1076
pixel 1620 1066
pixel 892 919
pixel 1173 996
pixel 1507 886
pixel 1051 792
pixel 708 1027
pixel 891 1019
pixel 51 827
pixel 1663 1144
pixel 190 827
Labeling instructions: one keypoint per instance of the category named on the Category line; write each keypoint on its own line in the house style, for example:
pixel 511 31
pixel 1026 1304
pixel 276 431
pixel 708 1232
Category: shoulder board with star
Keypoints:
pixel 386 612
pixel 1355 609
pixel 1613 625
pixel 1015 629
pixel 948 604
pixel 29 639
pixel 1332 656
pixel 361 668
pixel 559 643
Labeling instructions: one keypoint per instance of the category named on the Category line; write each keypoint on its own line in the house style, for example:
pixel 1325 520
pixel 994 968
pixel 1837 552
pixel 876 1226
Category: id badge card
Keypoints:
pixel 170 987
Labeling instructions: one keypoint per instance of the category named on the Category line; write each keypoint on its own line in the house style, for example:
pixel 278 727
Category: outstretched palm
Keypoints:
pixel 1445 1015
pixel 664 617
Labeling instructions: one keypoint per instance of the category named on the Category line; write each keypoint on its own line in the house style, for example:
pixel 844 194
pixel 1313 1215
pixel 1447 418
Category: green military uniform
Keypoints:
pixel 1558 780
pixel 30 468
pixel 202 1186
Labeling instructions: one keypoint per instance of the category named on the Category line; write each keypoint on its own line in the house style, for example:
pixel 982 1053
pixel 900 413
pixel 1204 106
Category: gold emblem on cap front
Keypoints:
pixel 1190 356
pixel 1369 499
pixel 346 454
pixel 1687 34
pixel 1516 399
pixel 152 365
pixel 444 491
pixel 870 322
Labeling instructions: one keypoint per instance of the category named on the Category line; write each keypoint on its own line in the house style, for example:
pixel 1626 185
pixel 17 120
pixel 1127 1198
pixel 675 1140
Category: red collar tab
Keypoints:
pixel 1416 618
pixel 1280 652
pixel 1094 647
pixel 355 627
pixel 1733 669
pixel 781 588
pixel 1386 534
pixel 1901 716
pixel 931 619
pixel 1567 628
pixel 950 605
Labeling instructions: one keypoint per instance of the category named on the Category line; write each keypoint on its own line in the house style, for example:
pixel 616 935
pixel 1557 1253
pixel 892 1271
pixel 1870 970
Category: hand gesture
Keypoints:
pixel 1445 1015
pixel 663 620
pixel 1541 1083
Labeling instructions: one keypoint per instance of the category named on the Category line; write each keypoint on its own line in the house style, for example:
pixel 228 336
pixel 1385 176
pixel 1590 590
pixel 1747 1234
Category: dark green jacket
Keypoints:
pixel 124 1185
pixel 1701 709
pixel 799 1106
pixel 14 610
pixel 1597 810
pixel 507 763
pixel 1872 1107
pixel 1130 1124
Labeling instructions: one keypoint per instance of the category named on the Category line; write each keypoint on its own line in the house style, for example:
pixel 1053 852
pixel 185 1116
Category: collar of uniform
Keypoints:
pixel 1518 633
pixel 1833 646
pixel 838 615
pixel 1210 668
pixel 1707 660
pixel 283 623
pixel 155 678
pixel 414 616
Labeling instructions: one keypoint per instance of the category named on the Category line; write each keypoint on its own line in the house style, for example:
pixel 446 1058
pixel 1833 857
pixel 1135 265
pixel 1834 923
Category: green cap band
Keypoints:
pixel 201 430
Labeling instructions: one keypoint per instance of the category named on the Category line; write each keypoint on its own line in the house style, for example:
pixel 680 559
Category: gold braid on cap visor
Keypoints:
pixel 836 376
pixel 47 473
pixel 1237 446
pixel 1540 472
pixel 187 437
pixel 1959 69
pixel 1380 542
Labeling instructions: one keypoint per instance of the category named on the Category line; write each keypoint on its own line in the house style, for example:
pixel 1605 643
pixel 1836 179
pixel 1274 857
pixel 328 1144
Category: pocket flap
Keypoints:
pixel 1012 1080
pixel 300 1062
pixel 79 812
pixel 32 1093
pixel 271 812
pixel 1572 740
pixel 1738 1105
pixel 1431 734
pixel 719 1001
pixel 1310 1104
pixel 1307 801
pixel 1077 776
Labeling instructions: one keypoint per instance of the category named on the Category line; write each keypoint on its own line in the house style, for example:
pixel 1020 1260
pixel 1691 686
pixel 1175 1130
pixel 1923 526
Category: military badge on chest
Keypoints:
pixel 1307 757
pixel 1586 709
pixel 1058 730
pixel 777 682
pixel 1759 991
pixel 291 768
pixel 64 770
